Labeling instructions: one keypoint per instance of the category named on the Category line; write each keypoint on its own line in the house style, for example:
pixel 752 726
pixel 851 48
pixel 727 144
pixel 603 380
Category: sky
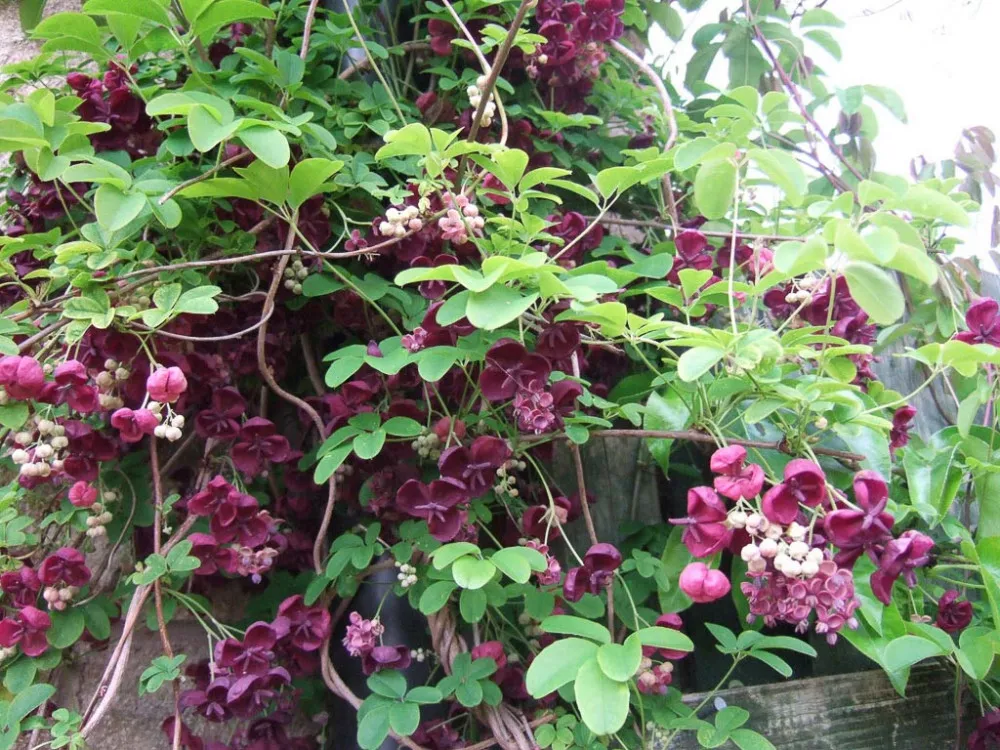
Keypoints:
pixel 937 54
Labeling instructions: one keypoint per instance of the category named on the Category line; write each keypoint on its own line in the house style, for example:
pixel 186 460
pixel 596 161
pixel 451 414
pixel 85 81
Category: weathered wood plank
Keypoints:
pixel 859 711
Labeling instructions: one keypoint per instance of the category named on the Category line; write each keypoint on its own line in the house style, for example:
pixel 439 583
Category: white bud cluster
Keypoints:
pixel 295 274
pixel 427 445
pixel 506 481
pixel 798 297
pixel 398 222
pixel 407 575
pixel 475 93
pixel 419 655
pixel 58 599
pixel 39 457
pixel 171 425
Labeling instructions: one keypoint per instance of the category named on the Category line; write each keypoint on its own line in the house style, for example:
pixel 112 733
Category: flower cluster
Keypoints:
pixel 109 100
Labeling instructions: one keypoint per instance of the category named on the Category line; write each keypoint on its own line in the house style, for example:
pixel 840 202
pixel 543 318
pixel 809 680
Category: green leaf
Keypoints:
pixel 557 665
pixel 512 564
pixel 496 307
pixel 330 463
pixel 205 129
pixel 747 739
pixel 570 625
pixel 367 445
pixel 404 718
pixel 14 414
pixel 785 642
pixel 424 694
pixel 907 650
pixel 67 627
pixel 472 604
pixel 783 170
pixel 414 139
pixel 445 555
pixel 661 637
pixel 603 703
pixel 436 596
pixel 698 360
pixel 267 144
pixel 28 700
pixel 469 694
pixel 389 683
pixel 794 258
pixel 619 661
pixel 472 573
pixel 926 203
pixel 225 12
pixel 222 187
pixel 715 187
pixel 402 427
pixel 876 291
pixel 691 153
pixel 308 177
pixel 30 13
pixel 774 661
pixel 115 209
pixel 198 301
pixel 373 727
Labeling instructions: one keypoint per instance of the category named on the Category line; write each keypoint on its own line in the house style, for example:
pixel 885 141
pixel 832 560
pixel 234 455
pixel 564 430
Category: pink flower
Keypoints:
pixel 983 322
pixel 26 628
pixel 166 384
pixel 736 480
pixel 132 425
pixel 21 586
pixel 82 495
pixel 703 584
pixel 385 657
pixel 22 377
pixel 64 566
pixel 453 227
pixel 491 650
pixel 705 530
pixel 362 635
pixel 805 484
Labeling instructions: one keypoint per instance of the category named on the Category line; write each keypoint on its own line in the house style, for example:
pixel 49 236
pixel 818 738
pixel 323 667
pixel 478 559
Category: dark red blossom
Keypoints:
pixel 71 386
pixel 22 377
pixel 805 484
pixel 21 586
pixel 254 654
pixel 953 615
pixel 441 34
pixel 491 650
pixel 864 529
pixel 220 421
pixel 212 702
pixel 509 366
pixel 693 251
pixel 308 626
pixel 570 227
pixel 599 565
pixel 27 629
pixel 250 694
pixel 64 567
pixel 239 518
pixel 209 500
pixel 475 466
pixel 983 321
pixel 385 657
pixel 601 20
pixel 258 445
pixel 437 503
pixel 901 557
pixel 133 426
pixel 902 420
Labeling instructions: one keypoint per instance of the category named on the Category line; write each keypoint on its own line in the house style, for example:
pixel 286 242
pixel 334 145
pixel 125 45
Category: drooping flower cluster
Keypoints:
pixel 363 639
pixel 109 100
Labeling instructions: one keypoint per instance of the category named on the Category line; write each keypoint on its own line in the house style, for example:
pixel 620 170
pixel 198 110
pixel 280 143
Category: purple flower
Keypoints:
pixel 902 420
pixel 26 628
pixel 437 503
pixel 210 703
pixel 561 52
pixel 983 321
pixel 601 20
pixel 21 586
pixel 385 657
pixel 805 484
pixel 599 565
pixel 71 388
pixel 953 615
pixel 476 466
pixel 362 634
pixel 866 529
pixel 210 499
pixel 66 566
pixel 259 444
pixel 308 627
pixel 250 694
pixel 692 252
pixel 219 422
pixel 133 426
pixel 562 11
pixel 509 367
pixel 987 734
pixel 239 517
pixel 253 655
pixel 705 530
pixel 901 557
pixel 736 480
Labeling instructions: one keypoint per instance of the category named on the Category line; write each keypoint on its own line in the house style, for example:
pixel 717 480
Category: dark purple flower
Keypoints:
pixel 983 321
pixel 562 11
pixel 210 703
pixel 71 387
pixel 434 289
pixel 441 34
pixel 475 466
pixel 901 557
pixel 254 654
pixel 693 251
pixel 599 565
pixel 601 20
pixel 987 734
pixel 26 628
pixel 239 518
pixel 66 566
pixel 509 366
pixel 308 627
pixel 21 586
pixel 250 694
pixel 258 445
pixel 867 529
pixel 385 657
pixel 805 483
pixel 705 530
pixel 902 420
pixel 437 503
pixel 210 499
pixel 571 225
pixel 953 615
pixel 558 341
pixel 735 479
pixel 220 422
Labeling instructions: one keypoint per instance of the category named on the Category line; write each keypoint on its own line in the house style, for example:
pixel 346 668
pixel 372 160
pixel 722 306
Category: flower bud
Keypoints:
pixel 768 548
pixel 750 552
pixel 703 584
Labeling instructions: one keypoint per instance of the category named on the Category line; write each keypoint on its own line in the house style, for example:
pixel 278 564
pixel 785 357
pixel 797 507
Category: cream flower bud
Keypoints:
pixel 768 548
pixel 798 550
pixel 737 519
pixel 757 566
pixel 750 552
pixel 810 568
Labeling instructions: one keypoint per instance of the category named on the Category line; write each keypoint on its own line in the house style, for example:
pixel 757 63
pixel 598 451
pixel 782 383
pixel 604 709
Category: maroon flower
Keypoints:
pixel 133 426
pixel 562 11
pixel 26 628
pixel 71 387
pixel 987 734
pixel 308 627
pixel 210 499
pixel 166 384
pixel 210 703
pixel 953 615
pixel 706 532
pixel 206 548
pixel 219 422
pixel 434 289
pixel 558 341
pixel 861 530
pixel 259 444
pixel 441 34
pixel 476 466
pixel 902 420
pixel 571 225
pixel 436 503
pixel 601 20
pixel 901 557
pixel 599 565
pixel 66 566
pixel 252 693
pixel 693 251
pixel 983 321
pixel 252 655
pixel 805 483
pixel 509 367
pixel 21 586
pixel 240 518
pixel 22 377
pixel 88 448
pixel 491 650
pixel 385 657
pixel 736 480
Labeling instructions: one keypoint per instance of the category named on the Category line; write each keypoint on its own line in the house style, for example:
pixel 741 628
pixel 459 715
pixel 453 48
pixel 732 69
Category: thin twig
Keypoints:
pixel 581 488
pixel 652 224
pixel 360 65
pixel 203 176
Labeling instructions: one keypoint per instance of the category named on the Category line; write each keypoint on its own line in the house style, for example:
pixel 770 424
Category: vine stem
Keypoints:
pixel 693 436
pixel 203 176
pixel 581 484
pixel 651 224
pixel 356 67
